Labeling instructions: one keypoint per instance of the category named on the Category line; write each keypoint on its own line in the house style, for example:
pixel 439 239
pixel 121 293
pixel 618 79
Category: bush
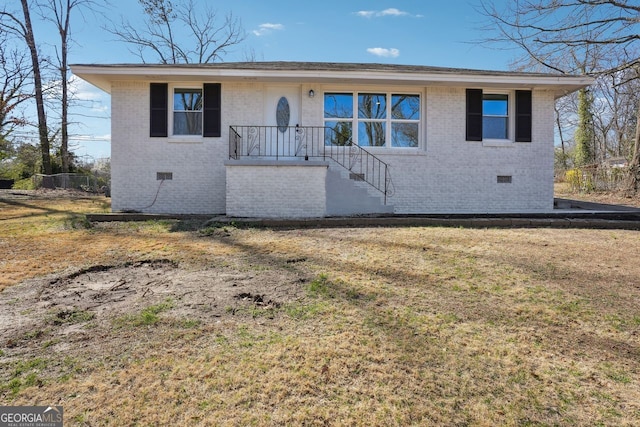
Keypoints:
pixel 579 180
pixel 24 184
pixel 572 177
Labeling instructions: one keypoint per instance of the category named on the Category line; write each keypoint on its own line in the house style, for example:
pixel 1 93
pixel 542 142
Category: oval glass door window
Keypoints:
pixel 283 114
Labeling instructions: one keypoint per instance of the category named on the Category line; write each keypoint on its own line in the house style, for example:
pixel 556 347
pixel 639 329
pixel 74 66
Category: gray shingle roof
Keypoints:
pixel 327 66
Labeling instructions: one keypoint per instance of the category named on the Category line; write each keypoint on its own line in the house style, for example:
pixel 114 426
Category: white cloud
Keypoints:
pixel 267 28
pixel 366 13
pixel 384 52
pixel 392 11
pixel 84 91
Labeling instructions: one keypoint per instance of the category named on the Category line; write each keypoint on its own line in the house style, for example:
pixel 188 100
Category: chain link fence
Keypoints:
pixel 597 178
pixel 73 181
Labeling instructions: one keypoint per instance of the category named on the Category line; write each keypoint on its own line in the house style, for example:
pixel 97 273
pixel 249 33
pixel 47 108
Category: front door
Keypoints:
pixel 282 111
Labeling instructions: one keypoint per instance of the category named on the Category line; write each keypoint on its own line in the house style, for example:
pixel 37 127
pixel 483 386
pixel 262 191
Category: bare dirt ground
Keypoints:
pixel 101 293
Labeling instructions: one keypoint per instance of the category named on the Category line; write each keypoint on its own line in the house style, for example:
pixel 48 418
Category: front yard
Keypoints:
pixel 185 323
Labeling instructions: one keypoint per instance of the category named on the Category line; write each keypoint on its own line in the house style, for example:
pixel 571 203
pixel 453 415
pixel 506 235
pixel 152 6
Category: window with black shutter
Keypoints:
pixel 190 114
pixel 487 116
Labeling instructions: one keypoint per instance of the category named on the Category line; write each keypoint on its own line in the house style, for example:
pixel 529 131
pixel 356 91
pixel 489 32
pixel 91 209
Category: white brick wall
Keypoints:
pixel 199 182
pixel 448 174
pixel 454 175
pixel 272 190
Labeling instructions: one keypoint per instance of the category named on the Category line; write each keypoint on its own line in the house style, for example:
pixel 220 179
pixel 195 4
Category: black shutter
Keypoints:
pixel 159 109
pixel 212 123
pixel 523 116
pixel 474 114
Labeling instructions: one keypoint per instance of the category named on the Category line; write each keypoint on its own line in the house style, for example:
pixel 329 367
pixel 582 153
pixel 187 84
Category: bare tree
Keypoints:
pixel 21 26
pixel 202 40
pixel 616 99
pixel 14 90
pixel 562 108
pixel 596 37
pixel 59 12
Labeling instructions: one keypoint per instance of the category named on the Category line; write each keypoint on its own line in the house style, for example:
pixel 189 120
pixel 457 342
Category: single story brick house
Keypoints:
pixel 304 139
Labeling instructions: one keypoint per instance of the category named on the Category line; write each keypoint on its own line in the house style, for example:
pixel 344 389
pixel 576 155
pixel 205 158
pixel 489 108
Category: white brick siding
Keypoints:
pixel 446 175
pixel 269 189
pixel 199 182
pixel 456 176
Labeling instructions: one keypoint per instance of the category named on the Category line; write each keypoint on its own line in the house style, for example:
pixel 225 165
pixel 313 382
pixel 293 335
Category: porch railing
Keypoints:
pixel 305 142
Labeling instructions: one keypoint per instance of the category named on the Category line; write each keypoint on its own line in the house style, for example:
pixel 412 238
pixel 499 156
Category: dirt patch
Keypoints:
pixel 77 303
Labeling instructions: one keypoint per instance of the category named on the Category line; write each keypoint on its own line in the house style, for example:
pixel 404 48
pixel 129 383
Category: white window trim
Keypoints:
pixel 388 120
pixel 511 122
pixel 182 138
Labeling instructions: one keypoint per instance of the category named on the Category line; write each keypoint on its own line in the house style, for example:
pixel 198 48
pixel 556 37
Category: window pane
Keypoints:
pixel 404 134
pixel 338 105
pixel 405 107
pixel 495 105
pixel 338 133
pixel 372 106
pixel 494 127
pixel 187 123
pixel 371 134
pixel 187 100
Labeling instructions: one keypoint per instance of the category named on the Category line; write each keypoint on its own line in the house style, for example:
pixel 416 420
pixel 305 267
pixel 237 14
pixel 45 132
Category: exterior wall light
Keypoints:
pixel 311 93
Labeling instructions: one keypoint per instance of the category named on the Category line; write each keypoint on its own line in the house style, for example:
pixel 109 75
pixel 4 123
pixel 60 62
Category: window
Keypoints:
pixel 372 123
pixel 495 116
pixel 383 119
pixel 193 111
pixel 338 115
pixel 187 111
pixel 405 120
pixel 488 116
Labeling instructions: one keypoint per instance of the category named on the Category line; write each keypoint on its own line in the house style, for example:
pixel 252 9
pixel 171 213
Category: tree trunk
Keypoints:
pixel 64 146
pixel 43 131
pixel 634 165
pixel 564 152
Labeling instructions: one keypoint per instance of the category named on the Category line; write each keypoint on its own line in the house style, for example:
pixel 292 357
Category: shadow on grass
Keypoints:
pixel 475 305
pixel 44 211
pixel 402 322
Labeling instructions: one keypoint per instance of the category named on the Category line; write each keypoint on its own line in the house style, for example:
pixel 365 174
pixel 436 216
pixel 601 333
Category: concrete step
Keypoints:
pixel 347 196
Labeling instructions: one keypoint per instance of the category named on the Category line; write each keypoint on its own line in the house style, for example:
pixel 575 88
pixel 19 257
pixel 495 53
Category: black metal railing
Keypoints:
pixel 279 142
pixel 304 142
pixel 361 164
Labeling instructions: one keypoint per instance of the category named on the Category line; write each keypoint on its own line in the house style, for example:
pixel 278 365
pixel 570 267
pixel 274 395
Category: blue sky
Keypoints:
pixel 420 32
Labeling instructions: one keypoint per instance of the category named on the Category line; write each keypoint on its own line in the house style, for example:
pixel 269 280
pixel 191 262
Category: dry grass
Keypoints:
pixel 395 326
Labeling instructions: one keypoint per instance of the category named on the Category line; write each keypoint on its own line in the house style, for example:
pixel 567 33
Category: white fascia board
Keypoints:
pixel 102 76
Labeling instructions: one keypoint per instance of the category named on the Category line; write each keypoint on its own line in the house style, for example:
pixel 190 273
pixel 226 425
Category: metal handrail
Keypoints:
pixel 360 163
pixel 310 142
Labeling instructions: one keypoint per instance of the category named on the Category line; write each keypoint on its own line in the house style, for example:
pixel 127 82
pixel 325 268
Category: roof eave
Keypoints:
pixel 103 76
